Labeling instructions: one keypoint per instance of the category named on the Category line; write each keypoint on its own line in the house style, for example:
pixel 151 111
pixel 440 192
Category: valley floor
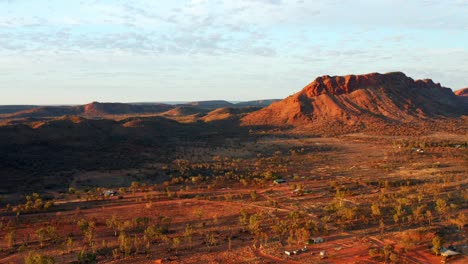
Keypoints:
pixel 371 199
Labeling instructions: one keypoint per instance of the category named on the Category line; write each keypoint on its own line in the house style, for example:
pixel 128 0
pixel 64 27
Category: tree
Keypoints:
pixel 437 244
pixel 164 224
pixel 281 228
pixel 188 233
pixel 339 196
pixel 47 233
pixel 199 214
pixel 125 244
pixel 396 219
pixel 48 205
pixel 210 240
pixel 143 221
pixel 152 233
pixel 10 239
pixel 35 258
pixel 441 206
pixel 113 223
pixel 253 196
pixel 375 209
pixel 254 223
pixel 429 217
pixel 418 213
pixel 302 235
pixel 176 242
pixel 134 187
pixel 41 236
pixel 243 219
pixel 459 220
pixel 86 257
pixel 325 219
pixel 382 227
pixel 87 227
pixel 69 244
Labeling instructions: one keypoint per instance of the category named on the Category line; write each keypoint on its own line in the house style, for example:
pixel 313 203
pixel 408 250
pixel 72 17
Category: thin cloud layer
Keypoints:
pixel 211 49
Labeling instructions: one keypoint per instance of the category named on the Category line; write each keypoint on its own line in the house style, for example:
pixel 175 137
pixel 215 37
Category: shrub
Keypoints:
pixel 34 258
pixel 10 239
pixel 87 257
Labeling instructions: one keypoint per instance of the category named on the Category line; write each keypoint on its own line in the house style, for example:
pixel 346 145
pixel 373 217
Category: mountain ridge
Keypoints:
pixel 361 100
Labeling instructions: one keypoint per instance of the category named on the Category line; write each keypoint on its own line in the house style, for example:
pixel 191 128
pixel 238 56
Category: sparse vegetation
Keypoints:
pixel 227 202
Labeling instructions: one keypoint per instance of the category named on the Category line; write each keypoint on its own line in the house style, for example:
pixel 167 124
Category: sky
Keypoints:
pixel 79 51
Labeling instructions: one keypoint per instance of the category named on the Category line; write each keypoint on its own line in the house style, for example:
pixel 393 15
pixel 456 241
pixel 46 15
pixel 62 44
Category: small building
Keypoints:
pixel 109 193
pixel 323 254
pixel 448 253
pixel 418 150
pixel 278 181
pixel 316 240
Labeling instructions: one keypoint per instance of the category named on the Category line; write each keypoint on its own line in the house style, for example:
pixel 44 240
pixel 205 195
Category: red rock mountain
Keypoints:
pixel 462 92
pixel 361 100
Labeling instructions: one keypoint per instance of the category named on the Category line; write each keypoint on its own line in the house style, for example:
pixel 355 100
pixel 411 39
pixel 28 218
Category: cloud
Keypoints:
pixel 265 44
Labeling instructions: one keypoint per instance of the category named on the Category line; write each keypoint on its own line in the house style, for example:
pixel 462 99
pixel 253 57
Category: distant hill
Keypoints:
pixel 185 111
pixel 462 92
pixel 258 103
pixel 361 101
pixel 98 109
pixel 94 109
pixel 7 109
pixel 212 104
pixel 44 154
pixel 228 113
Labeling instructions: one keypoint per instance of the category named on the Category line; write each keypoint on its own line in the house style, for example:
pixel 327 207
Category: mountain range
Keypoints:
pixel 339 103
pixel 43 146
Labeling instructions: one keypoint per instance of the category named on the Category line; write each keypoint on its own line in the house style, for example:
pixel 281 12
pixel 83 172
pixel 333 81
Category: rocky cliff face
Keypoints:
pixel 361 100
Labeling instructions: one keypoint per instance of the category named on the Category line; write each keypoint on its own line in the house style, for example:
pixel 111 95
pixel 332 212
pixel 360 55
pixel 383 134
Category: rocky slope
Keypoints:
pixel 361 101
pixel 462 92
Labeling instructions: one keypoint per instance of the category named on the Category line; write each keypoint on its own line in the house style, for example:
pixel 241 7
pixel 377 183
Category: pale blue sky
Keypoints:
pixel 78 51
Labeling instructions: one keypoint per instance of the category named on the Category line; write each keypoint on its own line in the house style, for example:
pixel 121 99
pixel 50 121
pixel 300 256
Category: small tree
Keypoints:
pixel 375 210
pixel 437 244
pixel 10 239
pixel 254 223
pixel 69 244
pixel 176 242
pixel 382 227
pixel 113 223
pixel 253 196
pixel 152 233
pixel 210 240
pixel 441 206
pixel 134 187
pixel 87 257
pixel 243 219
pixel 188 233
pixel 87 227
pixel 34 258
pixel 125 244
pixel 41 234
